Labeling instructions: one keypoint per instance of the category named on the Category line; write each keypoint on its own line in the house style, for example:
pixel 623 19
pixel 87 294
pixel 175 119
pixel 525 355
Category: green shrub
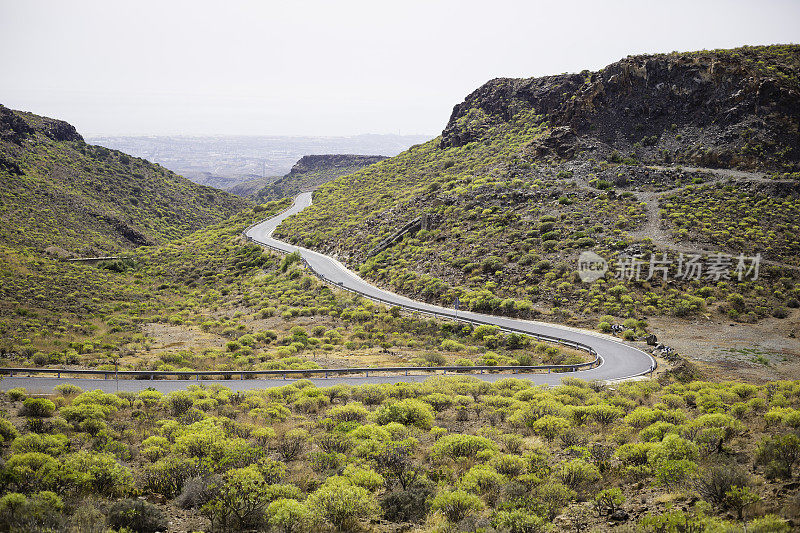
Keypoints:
pixel 520 521
pixel 350 412
pixel 482 480
pixel 407 505
pixel 241 502
pixel 32 471
pixel 363 477
pixel 452 346
pixel 7 431
pixel 68 389
pixel 16 394
pixel 608 500
pixel 551 497
pixel 769 524
pixel 41 512
pixel 97 473
pixel 289 516
pixel 137 515
pixel 673 472
pixel 54 445
pixel 778 454
pixel 458 445
pixel 342 504
pixel 456 505
pixel 409 412
pixel 550 426
pixel 577 473
pixel 37 408
pixel 166 476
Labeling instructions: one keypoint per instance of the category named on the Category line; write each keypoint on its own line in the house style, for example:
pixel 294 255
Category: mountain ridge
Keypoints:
pixel 726 91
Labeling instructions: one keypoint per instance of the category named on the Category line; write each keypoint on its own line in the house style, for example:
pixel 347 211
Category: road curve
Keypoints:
pixel 619 360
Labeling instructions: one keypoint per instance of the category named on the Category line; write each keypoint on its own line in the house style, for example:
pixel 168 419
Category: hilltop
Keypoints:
pixel 61 194
pixel 311 171
pixel 692 153
pixel 722 109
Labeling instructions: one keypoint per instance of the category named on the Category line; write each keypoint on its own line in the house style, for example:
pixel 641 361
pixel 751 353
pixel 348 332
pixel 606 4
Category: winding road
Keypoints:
pixel 619 361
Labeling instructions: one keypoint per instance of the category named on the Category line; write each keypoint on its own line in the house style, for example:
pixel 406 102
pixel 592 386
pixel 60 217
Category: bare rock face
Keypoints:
pixel 500 99
pixel 727 108
pixel 12 127
pixel 59 130
pixel 16 125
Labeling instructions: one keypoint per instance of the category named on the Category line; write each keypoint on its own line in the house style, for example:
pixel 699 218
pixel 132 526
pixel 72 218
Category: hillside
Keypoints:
pixel 311 171
pixel 688 153
pixel 71 198
pixel 200 299
pixel 250 187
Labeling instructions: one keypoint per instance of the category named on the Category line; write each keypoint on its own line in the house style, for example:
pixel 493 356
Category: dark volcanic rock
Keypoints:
pixel 12 127
pixel 619 515
pixel 725 108
pixel 501 98
pixel 15 125
pixel 60 130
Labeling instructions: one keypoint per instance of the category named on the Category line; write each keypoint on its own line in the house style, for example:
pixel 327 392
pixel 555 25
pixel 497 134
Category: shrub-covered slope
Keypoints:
pixel 311 171
pixel 213 301
pixel 450 454
pixel 61 194
pixel 529 173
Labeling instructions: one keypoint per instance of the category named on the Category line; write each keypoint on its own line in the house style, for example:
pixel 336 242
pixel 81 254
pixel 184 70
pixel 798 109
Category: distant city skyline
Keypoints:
pixel 315 68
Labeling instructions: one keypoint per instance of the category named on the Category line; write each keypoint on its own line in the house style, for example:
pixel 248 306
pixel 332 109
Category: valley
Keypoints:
pixel 480 376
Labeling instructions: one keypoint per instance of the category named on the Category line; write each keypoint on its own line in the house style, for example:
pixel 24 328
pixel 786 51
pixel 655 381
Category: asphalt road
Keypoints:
pixel 619 360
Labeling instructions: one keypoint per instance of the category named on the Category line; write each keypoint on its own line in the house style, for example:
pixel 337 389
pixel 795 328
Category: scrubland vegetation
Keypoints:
pixel 512 192
pixel 450 454
pixel 229 305
pixel 736 219
pixel 505 236
pixel 528 173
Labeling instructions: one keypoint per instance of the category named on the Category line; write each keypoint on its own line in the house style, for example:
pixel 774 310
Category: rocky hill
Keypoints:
pixel 311 171
pixel 71 198
pixel 693 153
pixel 726 108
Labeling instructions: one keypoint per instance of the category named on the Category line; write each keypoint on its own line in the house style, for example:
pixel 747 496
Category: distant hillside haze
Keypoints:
pixel 226 161
pixel 315 170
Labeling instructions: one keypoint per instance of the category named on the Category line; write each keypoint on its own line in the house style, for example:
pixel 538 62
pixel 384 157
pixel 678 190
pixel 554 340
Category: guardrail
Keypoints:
pixel 327 372
pixel 284 374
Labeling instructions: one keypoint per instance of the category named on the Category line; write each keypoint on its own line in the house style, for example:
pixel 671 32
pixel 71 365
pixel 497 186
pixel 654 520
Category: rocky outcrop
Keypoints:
pixel 12 127
pixel 726 108
pixel 16 125
pixel 500 99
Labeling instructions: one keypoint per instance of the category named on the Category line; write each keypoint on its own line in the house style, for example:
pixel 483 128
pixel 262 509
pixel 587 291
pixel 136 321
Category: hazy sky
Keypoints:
pixel 328 67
